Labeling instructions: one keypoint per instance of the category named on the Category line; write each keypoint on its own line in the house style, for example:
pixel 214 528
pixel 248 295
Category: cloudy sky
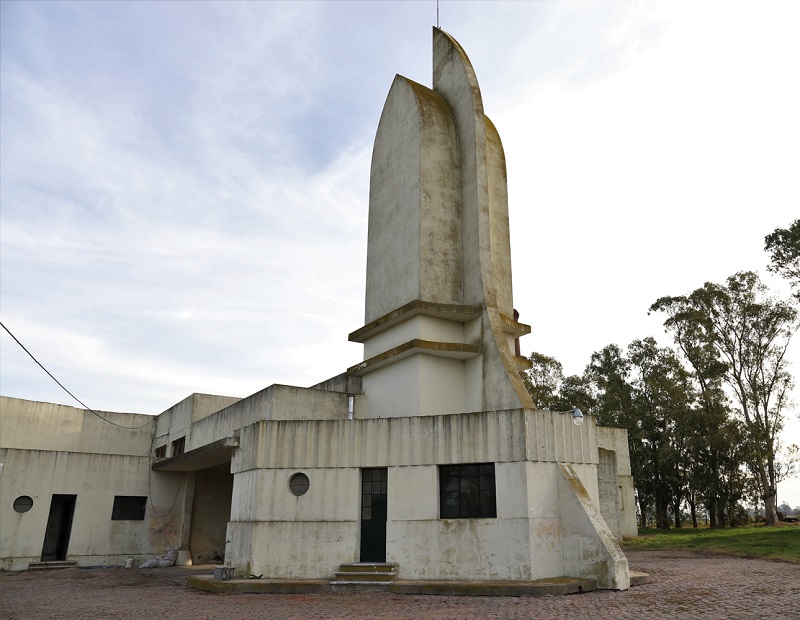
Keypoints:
pixel 184 185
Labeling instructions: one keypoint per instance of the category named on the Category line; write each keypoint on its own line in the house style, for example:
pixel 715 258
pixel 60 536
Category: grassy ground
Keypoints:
pixel 773 543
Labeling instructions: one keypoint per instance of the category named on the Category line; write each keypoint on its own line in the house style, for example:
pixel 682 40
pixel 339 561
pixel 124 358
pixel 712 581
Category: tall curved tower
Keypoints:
pixel 440 328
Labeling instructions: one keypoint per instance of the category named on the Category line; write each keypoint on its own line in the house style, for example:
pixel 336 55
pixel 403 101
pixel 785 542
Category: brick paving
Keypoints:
pixel 687 585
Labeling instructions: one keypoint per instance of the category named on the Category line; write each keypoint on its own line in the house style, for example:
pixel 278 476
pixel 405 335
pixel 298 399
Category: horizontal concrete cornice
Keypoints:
pixel 215 453
pixel 510 326
pixel 453 350
pixel 453 312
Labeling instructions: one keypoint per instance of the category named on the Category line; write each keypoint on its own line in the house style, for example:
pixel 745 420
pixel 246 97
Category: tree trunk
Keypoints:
pixel 677 508
pixel 693 510
pixel 662 519
pixel 712 512
pixel 770 496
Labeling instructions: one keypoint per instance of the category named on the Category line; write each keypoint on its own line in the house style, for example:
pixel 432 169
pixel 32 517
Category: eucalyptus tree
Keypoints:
pixel 577 391
pixel 543 380
pixel 783 247
pixel 609 371
pixel 661 401
pixel 713 438
pixel 748 332
pixel 550 389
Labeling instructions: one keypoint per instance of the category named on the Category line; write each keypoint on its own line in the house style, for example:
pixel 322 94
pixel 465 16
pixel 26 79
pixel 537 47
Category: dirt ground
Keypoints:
pixel 686 585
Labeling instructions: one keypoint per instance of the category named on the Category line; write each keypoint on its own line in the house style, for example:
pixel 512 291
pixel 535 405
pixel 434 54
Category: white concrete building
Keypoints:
pixel 428 454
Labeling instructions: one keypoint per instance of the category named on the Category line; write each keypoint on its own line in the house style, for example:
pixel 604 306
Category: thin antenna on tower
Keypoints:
pixel 437 14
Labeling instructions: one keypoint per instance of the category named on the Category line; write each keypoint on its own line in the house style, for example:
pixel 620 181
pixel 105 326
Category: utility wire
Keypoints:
pixel 130 428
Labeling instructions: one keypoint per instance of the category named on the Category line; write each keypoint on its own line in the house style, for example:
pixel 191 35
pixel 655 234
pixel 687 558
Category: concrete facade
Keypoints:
pixel 51 449
pixel 428 454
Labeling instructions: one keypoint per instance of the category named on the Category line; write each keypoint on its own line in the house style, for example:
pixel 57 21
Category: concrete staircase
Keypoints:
pixel 364 577
pixel 52 565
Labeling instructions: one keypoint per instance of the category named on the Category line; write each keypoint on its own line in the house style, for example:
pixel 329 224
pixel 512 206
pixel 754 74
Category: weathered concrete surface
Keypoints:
pixel 622 505
pixel 258 586
pixel 557 586
pixel 686 585
pixel 49 449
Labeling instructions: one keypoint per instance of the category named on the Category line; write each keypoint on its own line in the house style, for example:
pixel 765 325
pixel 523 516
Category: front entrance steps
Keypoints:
pixel 364 577
pixel 56 565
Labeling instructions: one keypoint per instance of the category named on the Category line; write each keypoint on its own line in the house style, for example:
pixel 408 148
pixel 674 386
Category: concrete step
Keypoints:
pixel 360 586
pixel 639 579
pixel 366 567
pixel 364 576
pixel 52 565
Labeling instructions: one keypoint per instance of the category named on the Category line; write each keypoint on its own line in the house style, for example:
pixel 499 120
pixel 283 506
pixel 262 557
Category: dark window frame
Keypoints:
pixel 161 452
pixel 23 504
pixel 467 491
pixel 179 446
pixel 129 508
pixel 299 484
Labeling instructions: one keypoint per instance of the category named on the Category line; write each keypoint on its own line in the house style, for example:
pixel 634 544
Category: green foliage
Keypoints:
pixel 783 247
pixel 737 333
pixel 609 371
pixel 543 380
pixel 577 391
pixel 774 543
pixel 550 389
pixel 690 443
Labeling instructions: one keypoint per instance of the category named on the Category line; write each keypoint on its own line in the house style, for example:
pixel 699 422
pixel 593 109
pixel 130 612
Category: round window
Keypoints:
pixel 298 484
pixel 23 503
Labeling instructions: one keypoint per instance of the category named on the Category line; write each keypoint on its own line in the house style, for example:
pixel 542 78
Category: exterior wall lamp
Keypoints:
pixel 577 415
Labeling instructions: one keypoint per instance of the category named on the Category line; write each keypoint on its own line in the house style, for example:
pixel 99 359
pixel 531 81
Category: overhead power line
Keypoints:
pixel 61 385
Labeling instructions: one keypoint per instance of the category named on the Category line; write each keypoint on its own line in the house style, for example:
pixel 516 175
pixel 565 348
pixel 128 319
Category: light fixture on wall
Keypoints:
pixel 577 415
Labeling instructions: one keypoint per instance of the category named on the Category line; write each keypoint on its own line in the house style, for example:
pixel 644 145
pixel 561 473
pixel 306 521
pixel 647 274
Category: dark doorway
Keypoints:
pixel 211 511
pixel 373 514
pixel 59 526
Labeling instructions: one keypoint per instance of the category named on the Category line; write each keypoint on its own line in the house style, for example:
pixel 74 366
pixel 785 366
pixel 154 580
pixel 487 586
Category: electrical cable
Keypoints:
pixel 130 428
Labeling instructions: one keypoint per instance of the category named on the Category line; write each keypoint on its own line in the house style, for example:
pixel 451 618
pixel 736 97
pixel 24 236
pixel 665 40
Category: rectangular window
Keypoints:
pixel 467 491
pixel 161 451
pixel 178 446
pixel 129 508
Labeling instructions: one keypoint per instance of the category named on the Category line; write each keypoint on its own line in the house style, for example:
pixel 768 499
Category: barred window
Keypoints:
pixel 467 491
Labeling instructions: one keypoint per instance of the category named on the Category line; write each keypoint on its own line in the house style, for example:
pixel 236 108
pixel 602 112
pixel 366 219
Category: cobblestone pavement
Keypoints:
pixel 687 585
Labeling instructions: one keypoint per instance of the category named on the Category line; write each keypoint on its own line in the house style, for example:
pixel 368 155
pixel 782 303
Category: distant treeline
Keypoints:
pixel 704 416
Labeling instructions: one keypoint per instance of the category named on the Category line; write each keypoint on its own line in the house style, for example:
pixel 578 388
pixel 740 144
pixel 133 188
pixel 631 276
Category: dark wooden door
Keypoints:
pixel 59 526
pixel 373 514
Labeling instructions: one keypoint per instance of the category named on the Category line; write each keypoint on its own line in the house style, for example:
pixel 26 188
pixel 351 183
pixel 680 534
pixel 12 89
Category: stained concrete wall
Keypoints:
pixel 610 500
pixel 277 402
pixel 49 449
pixel 484 437
pixel 414 219
pixel 95 538
pixel 32 425
pixel 177 421
pixel 275 533
pixel 523 542
pixel 620 507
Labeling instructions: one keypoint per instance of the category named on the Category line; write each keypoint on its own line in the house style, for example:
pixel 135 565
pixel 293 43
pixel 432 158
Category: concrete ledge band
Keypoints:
pixel 455 350
pixel 541 587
